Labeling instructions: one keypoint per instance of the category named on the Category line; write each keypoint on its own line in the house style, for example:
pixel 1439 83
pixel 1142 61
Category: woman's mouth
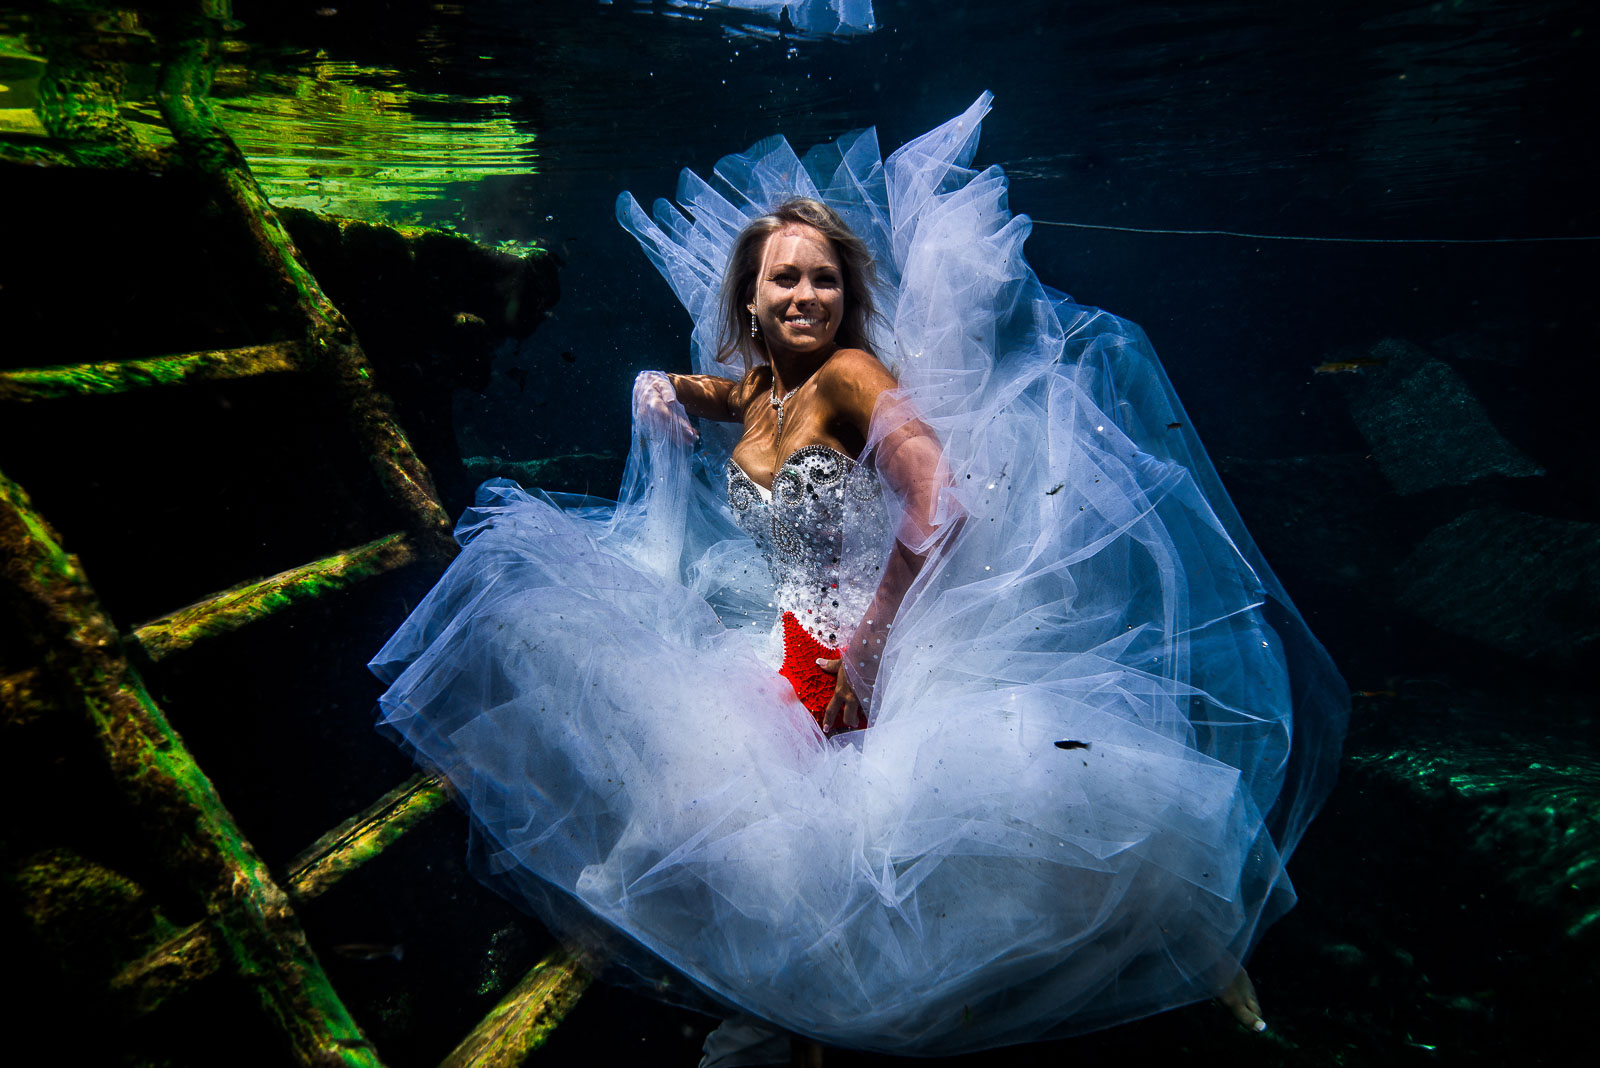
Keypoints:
pixel 804 323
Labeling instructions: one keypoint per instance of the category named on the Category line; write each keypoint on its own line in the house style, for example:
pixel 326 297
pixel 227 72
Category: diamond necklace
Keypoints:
pixel 777 406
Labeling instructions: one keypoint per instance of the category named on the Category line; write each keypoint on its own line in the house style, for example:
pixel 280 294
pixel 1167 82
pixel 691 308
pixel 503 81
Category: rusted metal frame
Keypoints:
pixel 248 602
pixel 526 1016
pixel 364 835
pixel 255 927
pixel 123 376
pixel 185 81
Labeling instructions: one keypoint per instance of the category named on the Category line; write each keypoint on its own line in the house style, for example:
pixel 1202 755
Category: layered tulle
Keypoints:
pixel 1099 726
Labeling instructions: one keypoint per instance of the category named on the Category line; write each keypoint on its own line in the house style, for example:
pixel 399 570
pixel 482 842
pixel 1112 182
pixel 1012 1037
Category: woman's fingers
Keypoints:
pixel 653 391
pixel 843 708
pixel 681 430
pixel 830 715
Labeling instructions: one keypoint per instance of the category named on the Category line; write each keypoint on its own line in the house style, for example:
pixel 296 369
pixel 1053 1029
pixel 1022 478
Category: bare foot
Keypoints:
pixel 1240 999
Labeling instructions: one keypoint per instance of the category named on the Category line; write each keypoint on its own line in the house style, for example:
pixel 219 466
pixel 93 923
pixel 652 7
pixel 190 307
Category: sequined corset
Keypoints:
pixel 824 531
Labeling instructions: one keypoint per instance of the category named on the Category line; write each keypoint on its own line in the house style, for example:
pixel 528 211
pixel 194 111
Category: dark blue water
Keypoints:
pixel 1389 122
pixel 1379 120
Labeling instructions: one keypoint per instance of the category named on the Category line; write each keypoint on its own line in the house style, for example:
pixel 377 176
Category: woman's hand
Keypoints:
pixel 655 403
pixel 844 712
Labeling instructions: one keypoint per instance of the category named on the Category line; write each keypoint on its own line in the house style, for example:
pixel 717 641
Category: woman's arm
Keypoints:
pixel 909 458
pixel 705 396
pixel 664 402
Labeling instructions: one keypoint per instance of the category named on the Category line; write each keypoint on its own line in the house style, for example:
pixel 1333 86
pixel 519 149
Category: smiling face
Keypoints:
pixel 799 293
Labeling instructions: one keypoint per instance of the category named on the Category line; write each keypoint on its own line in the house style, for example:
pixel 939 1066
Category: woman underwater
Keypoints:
pixel 944 501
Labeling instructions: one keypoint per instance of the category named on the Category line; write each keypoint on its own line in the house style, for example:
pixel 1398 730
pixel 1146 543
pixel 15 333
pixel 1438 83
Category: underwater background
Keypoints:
pixel 1361 236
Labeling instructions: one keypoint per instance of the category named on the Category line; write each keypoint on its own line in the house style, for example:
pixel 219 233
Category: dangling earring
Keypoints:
pixel 753 331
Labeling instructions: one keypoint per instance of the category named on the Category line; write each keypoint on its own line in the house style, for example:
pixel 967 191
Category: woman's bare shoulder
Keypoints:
pixel 853 370
pixel 855 363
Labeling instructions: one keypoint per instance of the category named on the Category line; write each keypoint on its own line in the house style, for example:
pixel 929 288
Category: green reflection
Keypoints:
pixel 320 133
pixel 348 140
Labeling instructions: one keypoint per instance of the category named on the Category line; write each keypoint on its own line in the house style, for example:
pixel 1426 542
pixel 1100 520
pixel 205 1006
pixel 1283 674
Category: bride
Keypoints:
pixel 805 405
pixel 950 507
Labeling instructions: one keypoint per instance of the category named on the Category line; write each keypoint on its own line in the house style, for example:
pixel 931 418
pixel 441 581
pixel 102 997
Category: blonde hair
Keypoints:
pixel 744 264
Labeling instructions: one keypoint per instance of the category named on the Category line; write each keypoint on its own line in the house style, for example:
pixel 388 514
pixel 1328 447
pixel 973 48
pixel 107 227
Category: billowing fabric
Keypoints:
pixel 1098 725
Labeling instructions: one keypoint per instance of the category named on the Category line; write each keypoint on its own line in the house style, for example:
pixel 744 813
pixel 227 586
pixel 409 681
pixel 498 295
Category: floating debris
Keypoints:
pixel 370 951
pixel 1350 366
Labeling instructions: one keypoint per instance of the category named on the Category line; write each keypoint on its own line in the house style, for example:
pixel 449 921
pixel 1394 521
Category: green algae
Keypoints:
pixel 53 383
pixel 197 837
pixel 1530 807
pixel 92 918
pixel 252 601
pixel 249 929
pixel 526 1017
pixel 365 835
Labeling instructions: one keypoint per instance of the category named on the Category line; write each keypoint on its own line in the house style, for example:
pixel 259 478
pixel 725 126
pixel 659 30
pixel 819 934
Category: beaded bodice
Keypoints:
pixel 824 530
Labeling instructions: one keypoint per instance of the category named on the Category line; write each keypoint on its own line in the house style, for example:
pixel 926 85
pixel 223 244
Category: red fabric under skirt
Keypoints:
pixel 811 684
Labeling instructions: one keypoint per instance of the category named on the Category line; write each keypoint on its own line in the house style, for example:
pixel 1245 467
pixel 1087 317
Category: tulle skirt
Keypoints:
pixel 1098 730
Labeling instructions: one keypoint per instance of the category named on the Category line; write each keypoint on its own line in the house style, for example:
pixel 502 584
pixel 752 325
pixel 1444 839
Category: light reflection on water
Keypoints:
pixel 345 139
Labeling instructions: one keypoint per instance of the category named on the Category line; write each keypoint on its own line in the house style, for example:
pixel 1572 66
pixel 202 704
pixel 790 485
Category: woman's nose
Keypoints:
pixel 804 290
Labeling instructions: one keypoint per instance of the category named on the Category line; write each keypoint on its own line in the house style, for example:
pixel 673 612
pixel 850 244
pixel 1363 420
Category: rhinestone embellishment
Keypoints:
pixel 822 532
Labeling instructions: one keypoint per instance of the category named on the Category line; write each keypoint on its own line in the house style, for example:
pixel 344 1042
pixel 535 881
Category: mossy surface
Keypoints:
pixel 92 918
pixel 361 838
pixel 252 601
pixel 53 383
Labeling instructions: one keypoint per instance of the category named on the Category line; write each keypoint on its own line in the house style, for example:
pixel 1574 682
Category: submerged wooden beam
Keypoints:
pixel 191 955
pixel 525 1017
pixel 54 152
pixel 194 834
pixel 188 957
pixel 248 602
pixel 184 82
pixel 364 835
pixel 51 383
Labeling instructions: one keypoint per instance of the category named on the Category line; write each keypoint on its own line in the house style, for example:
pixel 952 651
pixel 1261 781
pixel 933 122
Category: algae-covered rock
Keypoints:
pixel 1425 426
pixel 404 280
pixel 92 919
pixel 1526 584
pixel 1527 808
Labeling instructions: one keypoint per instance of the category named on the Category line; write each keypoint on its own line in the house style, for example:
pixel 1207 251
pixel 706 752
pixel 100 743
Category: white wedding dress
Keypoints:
pixel 598 681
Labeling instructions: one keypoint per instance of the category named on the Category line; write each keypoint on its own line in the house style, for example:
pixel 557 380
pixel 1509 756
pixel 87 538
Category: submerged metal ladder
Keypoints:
pixel 84 669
